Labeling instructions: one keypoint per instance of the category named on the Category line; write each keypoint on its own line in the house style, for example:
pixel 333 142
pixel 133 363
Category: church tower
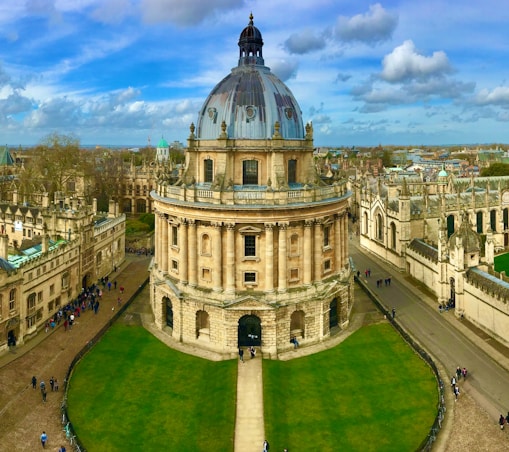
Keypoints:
pixel 251 246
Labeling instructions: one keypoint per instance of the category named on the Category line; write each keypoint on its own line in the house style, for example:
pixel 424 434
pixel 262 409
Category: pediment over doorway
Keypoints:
pixel 248 303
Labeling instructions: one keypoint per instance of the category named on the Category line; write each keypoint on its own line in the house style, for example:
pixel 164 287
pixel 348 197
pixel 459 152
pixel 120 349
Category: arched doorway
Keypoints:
pixel 333 313
pixel 297 324
pixel 169 312
pixel 85 282
pixel 250 331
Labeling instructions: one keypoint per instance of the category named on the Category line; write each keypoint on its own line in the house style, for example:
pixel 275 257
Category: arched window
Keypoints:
pixel 479 222
pixel 202 325
pixel 12 299
pixel 506 219
pixel 393 236
pixel 379 227
pixel 365 223
pixel 450 225
pixel 493 220
pixel 205 244
pixel 297 324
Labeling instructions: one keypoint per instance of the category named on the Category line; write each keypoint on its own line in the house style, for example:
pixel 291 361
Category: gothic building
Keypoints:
pixel 251 247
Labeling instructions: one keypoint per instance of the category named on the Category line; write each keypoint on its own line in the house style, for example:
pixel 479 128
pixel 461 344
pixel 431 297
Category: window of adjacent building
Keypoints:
pixel 30 321
pixel 174 235
pixel 379 227
pixel 31 302
pixel 250 172
pixel 39 297
pixel 208 170
pixel 50 306
pixel 505 217
pixel 57 301
pixel 99 258
pixel 294 274
pixel 38 314
pixel 65 280
pixel 249 245
pixel 326 236
pixel 12 300
pixel 52 289
pixel 493 220
pixel 249 277
pixel 30 276
pixel 327 266
pixel 479 222
pixel 292 171
pixel 174 265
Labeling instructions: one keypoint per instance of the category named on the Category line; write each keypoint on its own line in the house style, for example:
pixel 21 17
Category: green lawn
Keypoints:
pixel 371 393
pixel 502 263
pixel 131 392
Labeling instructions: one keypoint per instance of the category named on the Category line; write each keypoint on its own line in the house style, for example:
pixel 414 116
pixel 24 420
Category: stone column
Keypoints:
pixel 217 271
pixel 269 257
pixel 164 244
pixel 318 250
pixel 193 264
pixel 345 241
pixel 282 258
pixel 307 260
pixel 157 254
pixel 183 251
pixel 338 243
pixel 230 258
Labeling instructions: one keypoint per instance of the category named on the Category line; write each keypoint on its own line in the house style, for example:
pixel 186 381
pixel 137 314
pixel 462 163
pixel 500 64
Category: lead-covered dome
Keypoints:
pixel 250 99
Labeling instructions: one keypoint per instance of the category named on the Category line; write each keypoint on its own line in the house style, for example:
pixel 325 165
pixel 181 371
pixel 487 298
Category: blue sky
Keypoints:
pixel 366 73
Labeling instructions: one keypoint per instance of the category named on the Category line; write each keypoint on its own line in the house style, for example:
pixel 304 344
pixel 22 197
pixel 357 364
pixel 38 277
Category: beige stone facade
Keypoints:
pixel 59 249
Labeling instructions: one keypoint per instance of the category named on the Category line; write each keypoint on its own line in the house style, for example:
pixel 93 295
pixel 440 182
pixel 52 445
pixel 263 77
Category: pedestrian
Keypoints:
pixel 464 373
pixel 377 283
pixel 43 392
pixel 115 284
pixel 119 301
pixel 389 281
pixel 109 286
pixel 501 422
pixel 52 383
pixel 295 342
pixel 358 274
pixel 507 417
pixel 456 392
pixel 458 373
pixel 453 382
pixel 56 384
pixel 241 354
pixel 252 351
pixel 42 385
pixel 34 382
pixel 121 289
pixel 62 449
pixel 266 446
pixel 66 324
pixel 393 313
pixel 44 439
pixel 369 272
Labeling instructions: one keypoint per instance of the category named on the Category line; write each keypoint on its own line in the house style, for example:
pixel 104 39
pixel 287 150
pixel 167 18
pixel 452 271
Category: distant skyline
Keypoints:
pixel 116 72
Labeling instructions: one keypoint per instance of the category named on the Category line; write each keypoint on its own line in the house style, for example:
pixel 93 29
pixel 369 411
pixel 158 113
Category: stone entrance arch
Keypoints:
pixel 250 331
pixel 333 313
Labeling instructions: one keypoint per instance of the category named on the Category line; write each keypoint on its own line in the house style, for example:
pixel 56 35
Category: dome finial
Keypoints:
pixel 251 18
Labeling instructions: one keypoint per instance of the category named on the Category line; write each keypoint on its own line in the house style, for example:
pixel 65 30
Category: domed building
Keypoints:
pixel 251 245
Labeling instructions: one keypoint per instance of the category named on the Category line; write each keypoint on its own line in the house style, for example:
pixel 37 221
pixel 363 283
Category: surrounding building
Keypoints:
pixel 251 245
pixel 47 255
pixel 444 234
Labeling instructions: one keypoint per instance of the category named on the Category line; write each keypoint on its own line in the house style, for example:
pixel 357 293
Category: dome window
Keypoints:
pixel 250 112
pixel 289 113
pixel 212 114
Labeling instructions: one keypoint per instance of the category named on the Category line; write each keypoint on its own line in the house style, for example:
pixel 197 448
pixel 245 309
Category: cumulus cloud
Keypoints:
pixel 13 104
pixel 497 96
pixel 375 26
pixel 405 63
pixel 184 13
pixel 304 42
pixel 285 69
pixel 45 8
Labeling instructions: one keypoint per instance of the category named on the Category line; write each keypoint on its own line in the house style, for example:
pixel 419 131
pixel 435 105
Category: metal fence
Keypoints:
pixel 68 427
pixel 427 443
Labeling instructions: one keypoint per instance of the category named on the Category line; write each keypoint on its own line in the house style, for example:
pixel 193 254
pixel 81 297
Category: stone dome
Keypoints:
pixel 250 99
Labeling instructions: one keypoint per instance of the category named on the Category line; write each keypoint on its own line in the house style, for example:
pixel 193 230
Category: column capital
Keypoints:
pixel 319 221
pixel 308 223
pixel 269 225
pixel 216 224
pixel 191 223
pixel 283 225
pixel 230 226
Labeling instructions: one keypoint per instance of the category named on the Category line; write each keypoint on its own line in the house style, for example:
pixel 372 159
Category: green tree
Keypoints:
pixel 496 169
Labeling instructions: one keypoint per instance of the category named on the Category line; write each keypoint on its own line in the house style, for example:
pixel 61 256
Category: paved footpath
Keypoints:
pixel 249 426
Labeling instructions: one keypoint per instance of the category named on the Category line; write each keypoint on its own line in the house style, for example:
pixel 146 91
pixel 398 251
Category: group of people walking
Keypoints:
pixel 458 374
pixel 53 382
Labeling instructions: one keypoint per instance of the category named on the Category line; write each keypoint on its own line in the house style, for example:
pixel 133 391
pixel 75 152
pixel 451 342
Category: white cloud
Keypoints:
pixel 304 42
pixel 112 11
pixel 374 26
pixel 498 96
pixel 285 69
pixel 185 12
pixel 405 63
